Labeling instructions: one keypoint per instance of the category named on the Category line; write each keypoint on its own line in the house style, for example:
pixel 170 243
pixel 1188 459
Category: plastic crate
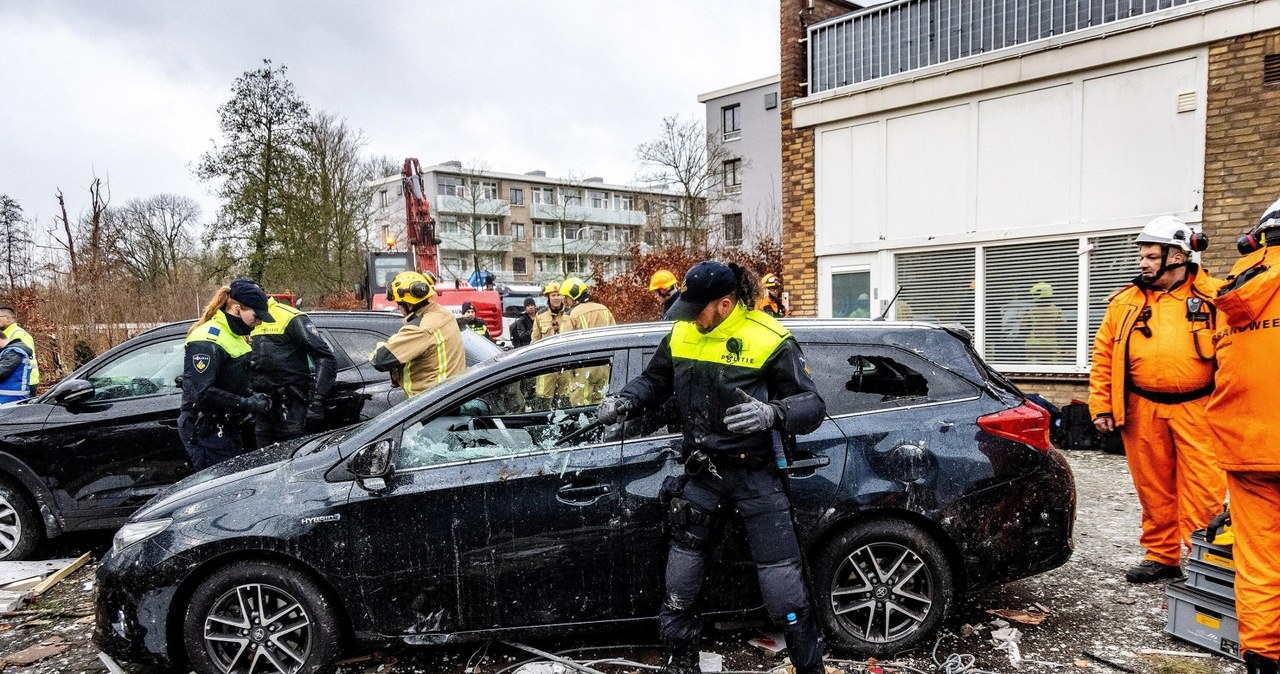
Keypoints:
pixel 1203 619
pixel 1213 579
pixel 1217 555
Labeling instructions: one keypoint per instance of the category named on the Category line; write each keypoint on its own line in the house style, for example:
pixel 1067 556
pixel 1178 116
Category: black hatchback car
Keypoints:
pixel 99 444
pixel 486 509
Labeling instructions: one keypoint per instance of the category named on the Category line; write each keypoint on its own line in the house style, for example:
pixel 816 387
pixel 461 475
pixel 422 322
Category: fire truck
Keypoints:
pixel 423 256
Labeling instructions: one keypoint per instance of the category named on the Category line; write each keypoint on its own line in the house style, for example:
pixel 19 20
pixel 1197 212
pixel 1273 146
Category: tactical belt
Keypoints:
pixel 1172 398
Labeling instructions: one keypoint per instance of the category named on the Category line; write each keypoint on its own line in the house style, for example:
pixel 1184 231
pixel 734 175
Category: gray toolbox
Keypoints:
pixel 1217 555
pixel 1213 579
pixel 1203 619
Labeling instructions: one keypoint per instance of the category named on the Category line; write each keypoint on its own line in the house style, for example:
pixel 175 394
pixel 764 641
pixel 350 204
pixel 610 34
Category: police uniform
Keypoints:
pixel 728 470
pixel 425 351
pixel 476 325
pixel 15 371
pixel 1238 415
pixel 15 331
pixel 215 384
pixel 281 351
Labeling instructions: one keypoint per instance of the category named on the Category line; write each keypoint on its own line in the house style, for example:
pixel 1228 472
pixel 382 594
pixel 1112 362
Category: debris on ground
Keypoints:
pixel 1024 617
pixel 769 641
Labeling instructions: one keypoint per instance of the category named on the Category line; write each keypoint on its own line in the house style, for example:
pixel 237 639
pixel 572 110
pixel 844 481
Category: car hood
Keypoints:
pixel 232 471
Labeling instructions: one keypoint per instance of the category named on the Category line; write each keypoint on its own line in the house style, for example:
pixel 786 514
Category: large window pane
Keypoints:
pixel 1031 292
pixel 850 295
pixel 936 286
pixel 1113 263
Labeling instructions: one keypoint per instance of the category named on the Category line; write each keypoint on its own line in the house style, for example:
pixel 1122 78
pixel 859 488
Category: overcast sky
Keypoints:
pixel 129 90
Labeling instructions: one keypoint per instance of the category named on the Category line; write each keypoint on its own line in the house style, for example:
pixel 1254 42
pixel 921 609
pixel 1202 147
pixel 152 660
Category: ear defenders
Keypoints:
pixel 1199 242
pixel 1253 240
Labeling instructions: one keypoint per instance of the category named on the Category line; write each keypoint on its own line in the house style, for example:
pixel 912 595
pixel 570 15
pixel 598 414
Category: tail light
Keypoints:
pixel 1028 423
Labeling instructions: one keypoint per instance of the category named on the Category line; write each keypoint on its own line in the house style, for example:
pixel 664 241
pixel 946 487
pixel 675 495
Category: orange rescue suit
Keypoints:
pixel 1247 340
pixel 1153 368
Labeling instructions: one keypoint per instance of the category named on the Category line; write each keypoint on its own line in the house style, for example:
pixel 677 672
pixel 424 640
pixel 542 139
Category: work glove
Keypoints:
pixel 749 415
pixel 612 410
pixel 315 411
pixel 258 403
pixel 1218 524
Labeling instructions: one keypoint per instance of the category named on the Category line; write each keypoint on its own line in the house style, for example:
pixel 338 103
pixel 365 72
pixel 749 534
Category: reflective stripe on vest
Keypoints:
pixel 283 313
pixel 744 339
pixel 14 331
pixel 217 331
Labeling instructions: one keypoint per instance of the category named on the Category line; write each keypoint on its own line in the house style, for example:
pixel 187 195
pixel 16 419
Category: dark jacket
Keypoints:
pixel 281 349
pixel 215 374
pixel 476 325
pixel 749 350
pixel 15 363
pixel 522 330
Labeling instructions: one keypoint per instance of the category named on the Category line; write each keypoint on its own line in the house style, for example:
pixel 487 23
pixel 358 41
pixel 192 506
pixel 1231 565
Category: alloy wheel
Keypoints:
pixel 882 591
pixel 10 527
pixel 258 629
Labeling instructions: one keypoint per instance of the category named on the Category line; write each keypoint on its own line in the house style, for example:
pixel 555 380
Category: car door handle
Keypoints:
pixel 570 492
pixel 815 462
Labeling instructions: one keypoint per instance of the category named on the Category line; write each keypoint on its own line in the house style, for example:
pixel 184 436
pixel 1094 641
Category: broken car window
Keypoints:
pixel 859 378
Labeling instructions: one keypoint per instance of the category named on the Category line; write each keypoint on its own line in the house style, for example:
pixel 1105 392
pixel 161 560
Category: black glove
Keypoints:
pixel 750 415
pixel 258 403
pixel 612 410
pixel 315 411
pixel 1217 524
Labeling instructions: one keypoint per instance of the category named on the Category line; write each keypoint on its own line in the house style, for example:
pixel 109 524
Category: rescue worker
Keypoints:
pixel 11 330
pixel 552 320
pixel 589 383
pixel 216 397
pixel 522 328
pixel 1153 370
pixel 774 303
pixel 663 284
pixel 428 347
pixel 15 370
pixel 469 321
pixel 738 377
pixel 1247 340
pixel 1044 324
pixel 281 350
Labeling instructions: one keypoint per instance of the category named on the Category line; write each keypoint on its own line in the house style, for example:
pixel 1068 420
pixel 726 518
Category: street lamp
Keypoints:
pixel 577 235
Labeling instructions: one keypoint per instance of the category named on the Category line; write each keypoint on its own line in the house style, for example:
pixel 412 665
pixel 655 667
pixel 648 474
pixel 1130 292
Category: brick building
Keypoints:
pixel 992 170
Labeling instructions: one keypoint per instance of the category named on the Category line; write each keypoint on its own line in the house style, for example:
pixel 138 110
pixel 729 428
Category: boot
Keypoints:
pixel 682 661
pixel 1149 570
pixel 1257 664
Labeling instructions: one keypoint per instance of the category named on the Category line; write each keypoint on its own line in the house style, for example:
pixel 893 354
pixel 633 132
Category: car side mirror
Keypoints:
pixel 371 464
pixel 73 392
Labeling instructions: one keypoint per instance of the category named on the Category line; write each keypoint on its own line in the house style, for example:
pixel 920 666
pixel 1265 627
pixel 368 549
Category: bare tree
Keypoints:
pixel 578 240
pixel 469 215
pixel 153 238
pixel 16 247
pixel 692 162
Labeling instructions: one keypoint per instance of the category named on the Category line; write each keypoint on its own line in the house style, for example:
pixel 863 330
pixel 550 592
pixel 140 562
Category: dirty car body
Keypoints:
pixel 484 508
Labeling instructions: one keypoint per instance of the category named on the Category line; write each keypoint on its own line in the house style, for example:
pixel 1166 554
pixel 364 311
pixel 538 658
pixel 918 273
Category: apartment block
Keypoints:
pixel 743 121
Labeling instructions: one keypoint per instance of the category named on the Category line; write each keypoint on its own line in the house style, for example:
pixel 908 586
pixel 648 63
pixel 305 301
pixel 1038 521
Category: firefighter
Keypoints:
pixel 663 285
pixel 1153 370
pixel 15 370
pixel 11 330
pixel 282 354
pixel 1044 323
pixel 216 396
pixel 428 347
pixel 554 319
pixel 775 301
pixel 469 321
pixel 1247 340
pixel 738 377
pixel 589 383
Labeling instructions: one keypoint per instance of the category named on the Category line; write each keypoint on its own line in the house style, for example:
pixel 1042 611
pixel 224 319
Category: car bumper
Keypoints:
pixel 132 611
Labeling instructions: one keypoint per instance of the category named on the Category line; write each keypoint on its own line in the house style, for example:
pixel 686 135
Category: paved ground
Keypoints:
pixel 1092 610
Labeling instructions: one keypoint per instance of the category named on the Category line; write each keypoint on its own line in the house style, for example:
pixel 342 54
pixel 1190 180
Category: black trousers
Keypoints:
pixel 209 442
pixel 757 495
pixel 287 418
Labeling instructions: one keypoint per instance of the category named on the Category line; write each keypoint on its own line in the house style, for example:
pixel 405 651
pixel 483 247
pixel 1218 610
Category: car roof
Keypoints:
pixel 323 319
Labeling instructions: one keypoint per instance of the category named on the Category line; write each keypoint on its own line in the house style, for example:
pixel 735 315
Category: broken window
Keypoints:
pixel 859 378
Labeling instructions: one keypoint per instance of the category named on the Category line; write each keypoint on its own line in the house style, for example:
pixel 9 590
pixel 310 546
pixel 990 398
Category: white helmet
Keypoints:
pixel 1170 231
pixel 1270 217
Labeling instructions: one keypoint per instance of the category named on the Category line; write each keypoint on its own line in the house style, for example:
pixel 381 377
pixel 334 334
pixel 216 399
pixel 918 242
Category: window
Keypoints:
pixel 488 227
pixel 572 233
pixel 519 265
pixel 862 378
pixel 733 176
pixel 625 234
pixel 383 200
pixel 652 237
pixel 517 231
pixel 544 195
pixel 450 185
pixel 937 286
pixel 529 414
pixel 545 230
pixel 448 224
pixel 733 227
pixel 485 189
pixel 1030 295
pixel 571 196
pixel 598 199
pixel 517 196
pixel 731 121
pixel 146 371
pixel 356 344
pixel 575 264
pixel 771 100
pixel 851 295
pixel 622 202
pixel 545 263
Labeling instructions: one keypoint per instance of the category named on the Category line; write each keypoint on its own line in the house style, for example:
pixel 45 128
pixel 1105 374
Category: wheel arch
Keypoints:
pixel 15 470
pixel 847 521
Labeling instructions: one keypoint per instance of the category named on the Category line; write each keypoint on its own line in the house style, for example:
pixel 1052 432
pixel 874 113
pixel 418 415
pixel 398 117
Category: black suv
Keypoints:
pixel 483 508
pixel 96 446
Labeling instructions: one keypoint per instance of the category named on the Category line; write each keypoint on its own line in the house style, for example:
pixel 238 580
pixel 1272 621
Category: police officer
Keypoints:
pixel 428 347
pixel 589 383
pixel 1153 371
pixel 281 370
pixel 1247 340
pixel 738 377
pixel 469 321
pixel 10 329
pixel 15 370
pixel 774 303
pixel 215 379
pixel 554 319
pixel 663 285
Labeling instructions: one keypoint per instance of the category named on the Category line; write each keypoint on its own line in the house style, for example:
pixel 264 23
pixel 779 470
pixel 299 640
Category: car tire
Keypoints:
pixel 263 617
pixel 21 530
pixel 882 587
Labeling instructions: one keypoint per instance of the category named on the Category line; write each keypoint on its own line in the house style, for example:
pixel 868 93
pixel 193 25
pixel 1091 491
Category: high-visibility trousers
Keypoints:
pixel 1179 483
pixel 1255 520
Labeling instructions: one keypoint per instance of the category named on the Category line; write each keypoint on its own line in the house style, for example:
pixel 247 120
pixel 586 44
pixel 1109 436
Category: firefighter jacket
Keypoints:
pixel 14 331
pixel 215 374
pixel 281 350
pixel 549 322
pixel 15 372
pixel 590 315
pixel 1248 339
pixel 1158 344
pixel 425 351
pixel 749 350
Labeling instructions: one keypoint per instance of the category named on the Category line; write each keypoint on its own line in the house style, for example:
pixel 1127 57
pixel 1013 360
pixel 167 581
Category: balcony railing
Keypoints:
pixel 912 34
